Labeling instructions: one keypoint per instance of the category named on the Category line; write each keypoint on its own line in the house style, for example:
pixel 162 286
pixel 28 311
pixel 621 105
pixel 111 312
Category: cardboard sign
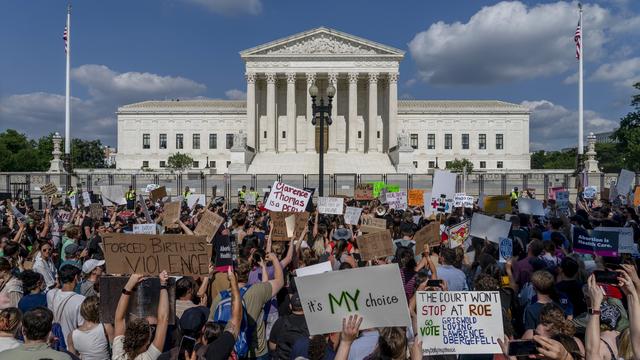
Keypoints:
pixel 250 199
pixel 626 244
pixel 625 182
pixel 599 242
pixel 209 224
pixel 397 200
pixel 352 215
pixel 459 322
pixel 372 224
pixel 149 229
pixel 636 197
pixel 143 302
pixel 497 205
pixel 590 192
pixel 95 211
pixel 320 268
pixel 330 205
pixel 290 223
pixel 531 206
pixel 287 198
pixel 415 197
pixel 194 199
pixel 150 254
pixel 506 249
pixel 364 192
pixel 328 298
pixel 493 229
pixel 375 245
pixel 49 189
pixel 279 224
pixel 158 194
pixel 112 195
pixel 458 234
pixel 429 234
pixel 171 213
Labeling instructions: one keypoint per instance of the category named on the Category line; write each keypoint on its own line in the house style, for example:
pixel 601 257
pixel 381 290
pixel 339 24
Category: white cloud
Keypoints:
pixel 40 113
pixel 505 42
pixel 624 73
pixel 235 94
pixel 231 7
pixel 554 127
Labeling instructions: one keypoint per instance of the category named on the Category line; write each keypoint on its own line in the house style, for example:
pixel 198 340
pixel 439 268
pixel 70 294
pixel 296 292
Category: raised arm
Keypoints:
pixel 315 226
pixel 184 227
pixel 163 312
pixel 233 326
pixel 626 283
pixel 123 304
pixel 592 333
pixel 287 259
pixel 350 329
pixel 47 222
pixel 278 279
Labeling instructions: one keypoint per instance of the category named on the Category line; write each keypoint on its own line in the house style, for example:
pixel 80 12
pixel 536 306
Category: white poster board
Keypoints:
pixel 250 199
pixel 397 200
pixel 352 215
pixel 376 293
pixel 287 198
pixel 444 182
pixel 531 206
pixel 626 179
pixel 506 249
pixel 486 226
pixel 112 195
pixel 320 268
pixel 427 204
pixel 625 238
pixel 330 205
pixel 145 229
pixel 562 201
pixel 459 322
pixel 590 192
pixel 193 198
pixel 86 199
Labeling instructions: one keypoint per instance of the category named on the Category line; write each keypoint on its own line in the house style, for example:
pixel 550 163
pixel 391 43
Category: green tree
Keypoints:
pixel 459 165
pixel 87 154
pixel 609 160
pixel 179 162
pixel 628 135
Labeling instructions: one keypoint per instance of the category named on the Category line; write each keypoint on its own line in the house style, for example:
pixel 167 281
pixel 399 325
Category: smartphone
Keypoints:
pixel 522 348
pixel 434 283
pixel 613 266
pixel 186 344
pixel 606 277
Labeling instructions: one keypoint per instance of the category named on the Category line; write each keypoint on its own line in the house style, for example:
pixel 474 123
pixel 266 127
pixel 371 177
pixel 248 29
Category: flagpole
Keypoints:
pixel 67 107
pixel 581 91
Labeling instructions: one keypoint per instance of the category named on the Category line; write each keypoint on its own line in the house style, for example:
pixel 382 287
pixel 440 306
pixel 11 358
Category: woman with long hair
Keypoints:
pixel 91 341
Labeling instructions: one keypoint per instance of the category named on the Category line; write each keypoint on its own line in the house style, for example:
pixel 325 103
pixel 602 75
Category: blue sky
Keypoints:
pixel 128 51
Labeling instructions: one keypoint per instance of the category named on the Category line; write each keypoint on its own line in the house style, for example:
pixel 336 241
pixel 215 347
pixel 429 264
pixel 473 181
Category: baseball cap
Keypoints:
pixel 91 264
pixel 71 249
pixel 193 319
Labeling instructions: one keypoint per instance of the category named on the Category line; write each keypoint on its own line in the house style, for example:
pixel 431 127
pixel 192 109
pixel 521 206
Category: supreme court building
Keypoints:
pixel 372 131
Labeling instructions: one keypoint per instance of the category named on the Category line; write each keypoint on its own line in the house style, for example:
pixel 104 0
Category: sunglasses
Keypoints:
pixel 46 250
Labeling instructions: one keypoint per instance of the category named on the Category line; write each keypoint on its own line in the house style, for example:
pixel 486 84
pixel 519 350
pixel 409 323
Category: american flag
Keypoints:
pixel 64 36
pixel 578 39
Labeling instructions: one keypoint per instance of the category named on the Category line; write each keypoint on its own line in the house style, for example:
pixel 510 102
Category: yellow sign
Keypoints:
pixel 497 205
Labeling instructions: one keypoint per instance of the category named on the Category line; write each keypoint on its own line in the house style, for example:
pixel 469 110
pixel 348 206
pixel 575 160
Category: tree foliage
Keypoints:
pixel 179 162
pixel 628 135
pixel 459 165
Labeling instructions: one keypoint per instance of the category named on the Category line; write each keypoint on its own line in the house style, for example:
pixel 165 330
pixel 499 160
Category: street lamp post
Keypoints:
pixel 321 113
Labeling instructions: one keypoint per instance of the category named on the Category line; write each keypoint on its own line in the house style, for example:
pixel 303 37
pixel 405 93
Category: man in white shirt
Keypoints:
pixel 65 303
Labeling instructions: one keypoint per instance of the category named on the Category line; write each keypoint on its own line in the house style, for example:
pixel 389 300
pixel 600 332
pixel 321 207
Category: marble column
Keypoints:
pixel 373 112
pixel 271 112
pixel 311 130
pixel 393 109
pixel 353 111
pixel 333 133
pixel 251 110
pixel 291 112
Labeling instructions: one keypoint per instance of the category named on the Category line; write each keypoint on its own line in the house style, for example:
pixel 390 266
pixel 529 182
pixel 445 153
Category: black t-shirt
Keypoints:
pixel 87 222
pixel 222 347
pixel 573 290
pixel 285 332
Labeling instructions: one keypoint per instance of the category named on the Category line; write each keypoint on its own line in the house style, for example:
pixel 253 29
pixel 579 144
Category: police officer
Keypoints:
pixel 186 193
pixel 130 196
pixel 514 196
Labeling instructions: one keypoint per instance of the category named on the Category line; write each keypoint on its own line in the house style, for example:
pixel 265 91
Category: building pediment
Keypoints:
pixel 324 42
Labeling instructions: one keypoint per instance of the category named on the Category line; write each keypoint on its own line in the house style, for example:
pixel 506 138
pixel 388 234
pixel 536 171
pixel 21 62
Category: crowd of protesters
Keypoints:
pixel 248 306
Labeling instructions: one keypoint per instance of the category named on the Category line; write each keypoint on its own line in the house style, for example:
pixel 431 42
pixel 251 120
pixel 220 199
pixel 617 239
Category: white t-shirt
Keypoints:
pixel 8 343
pixel 119 354
pixel 91 344
pixel 66 313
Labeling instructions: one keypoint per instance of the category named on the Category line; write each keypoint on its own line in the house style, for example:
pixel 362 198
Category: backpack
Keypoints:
pixel 222 315
pixel 59 344
pixel 402 248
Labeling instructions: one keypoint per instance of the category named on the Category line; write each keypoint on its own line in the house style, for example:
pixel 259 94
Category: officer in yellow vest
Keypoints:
pixel 186 192
pixel 514 196
pixel 130 196
pixel 242 193
pixel 70 193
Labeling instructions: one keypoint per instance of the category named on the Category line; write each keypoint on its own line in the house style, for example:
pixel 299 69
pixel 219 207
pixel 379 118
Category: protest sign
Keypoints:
pixel 290 223
pixel 145 210
pixel 63 216
pixel 144 229
pixel 459 322
pixel 72 200
pixel 625 238
pixel 143 302
pixel 328 298
pixel 352 215
pixel 416 197
pixel 372 224
pixel 443 191
pixel 397 200
pixel 506 249
pixel 497 205
pixel 458 234
pixel 463 200
pixel 392 188
pixel 49 189
pixel 112 195
pixel 250 199
pixel 429 234
pixel 625 182
pixel 287 198
pixel 426 198
pixel 209 224
pixel 86 199
pixel 193 199
pixel 552 192
pixel 590 192
pixel 171 213
pixel 279 224
pixel 531 206
pixel 158 194
pixel 636 197
pixel 599 242
pixel 320 268
pixel 375 245
pixel 416 219
pixel 150 187
pixel 364 192
pixel 562 201
pixel 493 229
pixel 330 205
pixel 95 211
pixel 150 254
pixel 19 215
pixel 378 186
